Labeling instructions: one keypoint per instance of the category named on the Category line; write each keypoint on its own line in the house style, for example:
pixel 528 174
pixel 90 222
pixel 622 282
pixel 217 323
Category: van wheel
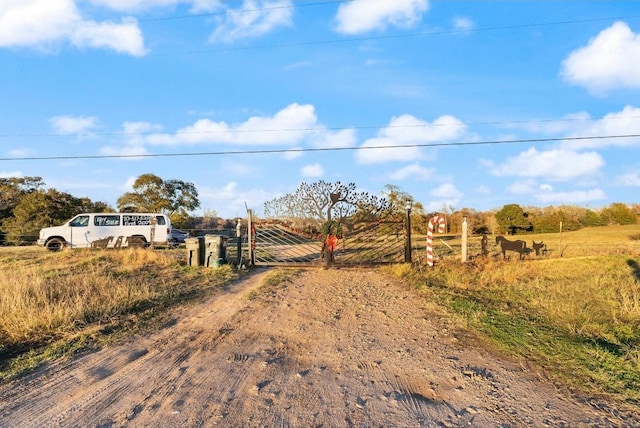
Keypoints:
pixel 55 244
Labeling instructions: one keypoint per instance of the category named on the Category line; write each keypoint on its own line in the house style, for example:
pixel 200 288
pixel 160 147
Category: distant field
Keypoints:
pixel 593 241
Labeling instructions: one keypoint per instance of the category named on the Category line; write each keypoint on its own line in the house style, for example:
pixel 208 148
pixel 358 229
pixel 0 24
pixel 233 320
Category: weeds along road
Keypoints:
pixel 332 348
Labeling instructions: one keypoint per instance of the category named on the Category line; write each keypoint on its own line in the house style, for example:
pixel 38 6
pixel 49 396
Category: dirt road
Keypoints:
pixel 331 348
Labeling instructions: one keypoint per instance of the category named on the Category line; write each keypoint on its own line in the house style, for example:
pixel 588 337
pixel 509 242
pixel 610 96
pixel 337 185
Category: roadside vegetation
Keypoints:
pixel 56 304
pixel 576 317
pixel 573 314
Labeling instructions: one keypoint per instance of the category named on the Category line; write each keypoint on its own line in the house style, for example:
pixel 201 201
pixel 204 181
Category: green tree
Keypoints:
pixel 152 194
pixel 591 218
pixel 619 213
pixel 548 220
pixel 40 209
pixel 12 189
pixel 512 218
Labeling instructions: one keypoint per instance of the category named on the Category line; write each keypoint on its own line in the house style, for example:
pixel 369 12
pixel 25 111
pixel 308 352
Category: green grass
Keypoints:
pixel 577 317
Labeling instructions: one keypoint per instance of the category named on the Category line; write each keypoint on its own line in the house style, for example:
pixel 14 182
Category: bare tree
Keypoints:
pixel 322 201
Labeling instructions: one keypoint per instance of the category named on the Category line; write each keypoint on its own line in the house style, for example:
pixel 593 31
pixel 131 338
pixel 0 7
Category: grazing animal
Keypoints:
pixel 519 247
pixel 537 246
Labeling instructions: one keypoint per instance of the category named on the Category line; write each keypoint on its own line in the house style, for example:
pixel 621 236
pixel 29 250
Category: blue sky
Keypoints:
pixel 246 99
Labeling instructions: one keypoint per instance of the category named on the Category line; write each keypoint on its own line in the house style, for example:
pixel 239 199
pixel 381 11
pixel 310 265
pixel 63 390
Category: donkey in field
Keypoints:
pixel 540 247
pixel 519 247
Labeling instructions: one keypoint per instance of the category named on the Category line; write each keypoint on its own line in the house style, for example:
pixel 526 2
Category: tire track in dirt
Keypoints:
pixel 146 372
pixel 344 347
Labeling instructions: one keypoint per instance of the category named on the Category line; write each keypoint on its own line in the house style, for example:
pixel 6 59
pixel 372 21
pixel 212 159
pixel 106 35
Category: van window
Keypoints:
pixel 161 221
pixel 106 220
pixel 136 220
pixel 80 221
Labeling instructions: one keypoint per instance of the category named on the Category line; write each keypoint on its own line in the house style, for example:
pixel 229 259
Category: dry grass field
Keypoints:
pixel 574 314
pixel 53 304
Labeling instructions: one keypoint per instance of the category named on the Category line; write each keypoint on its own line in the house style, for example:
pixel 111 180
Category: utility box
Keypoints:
pixel 195 251
pixel 215 250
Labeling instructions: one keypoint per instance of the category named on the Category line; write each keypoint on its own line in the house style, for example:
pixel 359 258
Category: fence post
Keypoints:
pixel 407 249
pixel 239 243
pixel 251 237
pixel 465 257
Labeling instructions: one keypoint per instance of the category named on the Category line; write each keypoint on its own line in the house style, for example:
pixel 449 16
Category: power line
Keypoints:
pixel 397 36
pixel 322 128
pixel 328 149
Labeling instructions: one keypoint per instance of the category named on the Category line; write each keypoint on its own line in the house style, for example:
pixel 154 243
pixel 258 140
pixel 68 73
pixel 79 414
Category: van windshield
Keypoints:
pixel 80 221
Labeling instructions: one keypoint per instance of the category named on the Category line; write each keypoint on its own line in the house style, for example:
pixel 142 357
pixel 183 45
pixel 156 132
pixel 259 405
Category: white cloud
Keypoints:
pixel 127 186
pixel 204 6
pixel 631 179
pixel 483 190
pixel 575 197
pixel 551 164
pixel 361 16
pixel 45 24
pixel 10 174
pixel 244 170
pixel 137 128
pixel 135 5
pixel 545 193
pixel 294 153
pixel 445 194
pixel 522 187
pixel 197 6
pixel 289 126
pixel 313 170
pixel 35 22
pixel 229 200
pixel 412 171
pixel 20 153
pixel 407 130
pixel 329 139
pixel 625 122
pixel 135 132
pixel 124 37
pixel 127 152
pixel 292 127
pixel 253 19
pixel 69 125
pixel 610 60
pixel 446 190
pixel 571 122
pixel 462 23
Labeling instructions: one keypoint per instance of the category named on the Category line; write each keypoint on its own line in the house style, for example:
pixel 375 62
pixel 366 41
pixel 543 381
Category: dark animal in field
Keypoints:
pixel 484 243
pixel 519 247
pixel 539 247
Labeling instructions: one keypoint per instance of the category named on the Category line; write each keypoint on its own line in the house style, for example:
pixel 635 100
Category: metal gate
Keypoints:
pixel 274 242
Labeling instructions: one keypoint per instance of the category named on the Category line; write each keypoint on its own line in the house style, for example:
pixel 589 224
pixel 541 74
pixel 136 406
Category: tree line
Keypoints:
pixel 26 207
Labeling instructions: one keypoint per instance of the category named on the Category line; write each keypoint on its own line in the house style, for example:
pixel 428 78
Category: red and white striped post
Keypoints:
pixel 441 224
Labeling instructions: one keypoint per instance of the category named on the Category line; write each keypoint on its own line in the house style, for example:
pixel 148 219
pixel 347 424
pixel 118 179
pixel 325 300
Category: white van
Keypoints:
pixel 108 230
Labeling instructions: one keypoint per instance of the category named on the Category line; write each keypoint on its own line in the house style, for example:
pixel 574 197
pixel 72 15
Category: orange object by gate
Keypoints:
pixel 332 242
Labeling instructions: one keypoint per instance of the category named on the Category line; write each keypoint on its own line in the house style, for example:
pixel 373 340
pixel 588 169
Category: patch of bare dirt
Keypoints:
pixel 331 348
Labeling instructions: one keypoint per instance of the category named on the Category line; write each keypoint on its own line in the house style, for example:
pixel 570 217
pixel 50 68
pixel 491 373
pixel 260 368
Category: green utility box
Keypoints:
pixel 195 251
pixel 215 250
